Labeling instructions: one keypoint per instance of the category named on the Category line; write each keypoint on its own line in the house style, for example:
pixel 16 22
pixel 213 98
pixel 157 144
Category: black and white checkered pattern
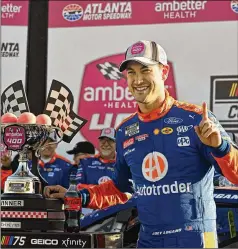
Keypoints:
pixel 59 107
pixel 110 71
pixel 14 100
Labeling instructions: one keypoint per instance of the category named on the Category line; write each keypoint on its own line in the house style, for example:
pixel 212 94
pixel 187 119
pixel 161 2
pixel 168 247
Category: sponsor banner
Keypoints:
pixel 224 101
pixel 45 240
pixel 14 13
pixel 104 13
pixel 14 27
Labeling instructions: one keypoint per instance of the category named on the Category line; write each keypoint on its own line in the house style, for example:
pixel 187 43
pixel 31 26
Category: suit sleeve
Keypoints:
pixel 225 157
pixel 122 173
pixel 81 175
pixel 110 193
pixel 65 174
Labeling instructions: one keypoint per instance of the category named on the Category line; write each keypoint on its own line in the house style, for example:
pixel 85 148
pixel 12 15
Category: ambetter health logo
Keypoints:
pixel 104 97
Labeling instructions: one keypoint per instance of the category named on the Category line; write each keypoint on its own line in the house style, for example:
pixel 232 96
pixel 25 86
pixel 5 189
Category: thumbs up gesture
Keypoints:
pixel 207 130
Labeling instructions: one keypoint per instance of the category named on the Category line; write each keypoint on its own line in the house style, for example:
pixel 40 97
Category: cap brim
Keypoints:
pixel 70 152
pixel 144 61
pixel 114 139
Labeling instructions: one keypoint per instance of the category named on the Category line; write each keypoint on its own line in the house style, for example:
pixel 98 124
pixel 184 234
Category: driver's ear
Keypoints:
pixel 165 72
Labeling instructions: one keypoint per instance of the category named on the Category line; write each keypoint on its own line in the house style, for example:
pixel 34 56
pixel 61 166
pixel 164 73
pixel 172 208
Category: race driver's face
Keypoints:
pixel 145 82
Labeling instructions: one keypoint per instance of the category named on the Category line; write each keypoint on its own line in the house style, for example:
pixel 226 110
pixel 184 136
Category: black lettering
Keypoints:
pixel 233 112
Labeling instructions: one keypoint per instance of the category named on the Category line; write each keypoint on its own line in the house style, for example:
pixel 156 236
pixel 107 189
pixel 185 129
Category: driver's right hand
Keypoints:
pixel 54 192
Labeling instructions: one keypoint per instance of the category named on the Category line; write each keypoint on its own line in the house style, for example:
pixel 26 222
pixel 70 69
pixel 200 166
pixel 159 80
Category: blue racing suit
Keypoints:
pixel 172 171
pixel 56 171
pixel 95 170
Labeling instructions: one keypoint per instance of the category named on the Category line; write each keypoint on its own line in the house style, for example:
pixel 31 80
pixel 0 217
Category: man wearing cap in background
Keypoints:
pixel 81 150
pixel 170 156
pixel 53 167
pixel 99 168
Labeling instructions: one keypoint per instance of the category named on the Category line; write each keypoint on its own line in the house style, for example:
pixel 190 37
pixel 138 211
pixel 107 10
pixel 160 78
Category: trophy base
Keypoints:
pixel 27 196
pixel 28 212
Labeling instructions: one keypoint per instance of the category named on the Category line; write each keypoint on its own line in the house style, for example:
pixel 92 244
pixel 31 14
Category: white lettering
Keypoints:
pixel 95 124
pixel 71 242
pixel 115 92
pixel 164 189
pixel 10 8
pixel 44 242
pixel 180 5
pixel 118 7
pixel 226 196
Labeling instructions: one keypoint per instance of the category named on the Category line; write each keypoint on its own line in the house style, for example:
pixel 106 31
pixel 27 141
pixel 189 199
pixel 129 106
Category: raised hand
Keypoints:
pixel 207 130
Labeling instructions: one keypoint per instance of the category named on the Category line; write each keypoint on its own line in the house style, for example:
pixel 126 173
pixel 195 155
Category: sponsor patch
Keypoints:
pixel 167 130
pixel 132 129
pixel 129 151
pixel 173 120
pixel 156 131
pixel 183 129
pixel 103 179
pixel 128 142
pixel 183 141
pixel 141 137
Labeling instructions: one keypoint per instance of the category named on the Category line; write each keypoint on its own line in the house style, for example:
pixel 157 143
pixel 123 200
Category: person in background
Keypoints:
pixel 81 150
pixel 99 168
pixel 6 169
pixel 53 167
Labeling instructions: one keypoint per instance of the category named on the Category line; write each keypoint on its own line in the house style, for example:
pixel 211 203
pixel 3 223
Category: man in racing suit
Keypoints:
pixel 99 168
pixel 169 148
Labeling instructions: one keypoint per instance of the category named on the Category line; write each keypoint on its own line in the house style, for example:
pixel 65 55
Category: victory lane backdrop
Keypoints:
pixel 92 37
pixel 14 28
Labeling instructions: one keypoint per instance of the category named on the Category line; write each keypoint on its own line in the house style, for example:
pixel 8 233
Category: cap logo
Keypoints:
pixel 137 48
pixel 107 131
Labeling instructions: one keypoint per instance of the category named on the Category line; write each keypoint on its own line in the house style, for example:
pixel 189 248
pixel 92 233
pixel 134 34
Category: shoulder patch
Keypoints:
pixel 126 119
pixel 188 107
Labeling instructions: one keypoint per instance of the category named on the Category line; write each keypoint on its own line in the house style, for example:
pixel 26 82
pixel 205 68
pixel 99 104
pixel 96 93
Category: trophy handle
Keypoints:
pixel 60 135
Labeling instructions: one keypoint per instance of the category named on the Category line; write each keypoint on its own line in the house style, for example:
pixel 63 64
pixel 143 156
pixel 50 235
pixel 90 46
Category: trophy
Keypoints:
pixel 23 208
pixel 22 138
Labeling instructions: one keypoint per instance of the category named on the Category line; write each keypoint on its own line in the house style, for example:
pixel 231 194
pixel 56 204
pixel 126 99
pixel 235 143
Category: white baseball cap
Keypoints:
pixel 109 133
pixel 145 52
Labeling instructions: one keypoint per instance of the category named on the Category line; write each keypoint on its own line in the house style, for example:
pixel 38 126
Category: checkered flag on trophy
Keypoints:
pixel 14 100
pixel 59 107
pixel 110 71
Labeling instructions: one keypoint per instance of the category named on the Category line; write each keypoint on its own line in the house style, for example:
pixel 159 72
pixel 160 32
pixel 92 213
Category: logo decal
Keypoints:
pixel 132 129
pixel 128 142
pixel 224 101
pixel 72 12
pixel 167 130
pixel 183 129
pixel 156 131
pixel 103 179
pixel 173 120
pixel 154 166
pixel 183 141
pixel 141 137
